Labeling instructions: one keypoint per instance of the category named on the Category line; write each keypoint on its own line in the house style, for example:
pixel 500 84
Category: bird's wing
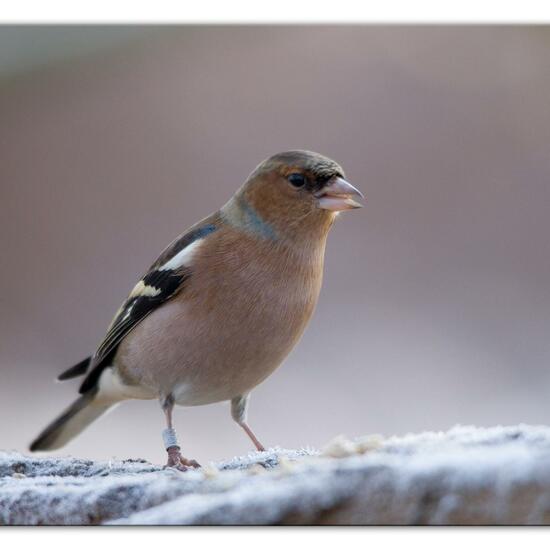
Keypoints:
pixel 165 278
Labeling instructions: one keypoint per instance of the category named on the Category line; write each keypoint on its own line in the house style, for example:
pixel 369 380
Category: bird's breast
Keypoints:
pixel 240 315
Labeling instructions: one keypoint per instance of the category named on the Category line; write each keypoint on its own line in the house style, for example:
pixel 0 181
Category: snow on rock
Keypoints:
pixel 467 475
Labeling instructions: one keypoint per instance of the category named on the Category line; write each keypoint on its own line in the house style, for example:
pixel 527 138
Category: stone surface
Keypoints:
pixel 467 475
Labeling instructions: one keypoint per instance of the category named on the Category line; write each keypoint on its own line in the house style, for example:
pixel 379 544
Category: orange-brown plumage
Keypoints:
pixel 223 305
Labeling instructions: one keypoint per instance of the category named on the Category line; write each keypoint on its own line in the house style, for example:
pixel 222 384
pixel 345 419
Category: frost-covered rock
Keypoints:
pixel 467 475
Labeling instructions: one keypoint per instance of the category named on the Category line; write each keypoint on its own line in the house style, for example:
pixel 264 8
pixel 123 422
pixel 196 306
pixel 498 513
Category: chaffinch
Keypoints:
pixel 221 307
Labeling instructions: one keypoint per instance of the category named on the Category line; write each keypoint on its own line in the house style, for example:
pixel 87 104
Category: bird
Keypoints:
pixel 221 307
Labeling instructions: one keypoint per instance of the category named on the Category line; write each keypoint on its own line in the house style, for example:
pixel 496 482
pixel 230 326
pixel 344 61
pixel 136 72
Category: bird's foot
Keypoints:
pixel 176 460
pixel 259 447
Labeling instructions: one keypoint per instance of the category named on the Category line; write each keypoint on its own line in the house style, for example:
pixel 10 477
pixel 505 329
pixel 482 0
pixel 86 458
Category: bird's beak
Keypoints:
pixel 338 195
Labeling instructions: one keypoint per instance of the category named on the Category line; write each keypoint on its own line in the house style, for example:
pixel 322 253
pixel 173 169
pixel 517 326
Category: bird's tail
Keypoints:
pixel 71 422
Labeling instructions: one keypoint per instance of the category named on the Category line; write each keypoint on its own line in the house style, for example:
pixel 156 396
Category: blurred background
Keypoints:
pixel 436 304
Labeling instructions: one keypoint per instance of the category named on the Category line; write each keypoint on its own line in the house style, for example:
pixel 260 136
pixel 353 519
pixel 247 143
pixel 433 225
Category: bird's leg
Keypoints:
pixel 175 458
pixel 238 412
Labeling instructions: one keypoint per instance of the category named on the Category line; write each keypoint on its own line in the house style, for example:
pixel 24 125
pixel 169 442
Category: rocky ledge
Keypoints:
pixel 467 475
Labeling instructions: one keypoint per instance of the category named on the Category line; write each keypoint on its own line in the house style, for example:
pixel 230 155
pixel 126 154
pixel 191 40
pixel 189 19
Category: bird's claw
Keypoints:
pixel 179 462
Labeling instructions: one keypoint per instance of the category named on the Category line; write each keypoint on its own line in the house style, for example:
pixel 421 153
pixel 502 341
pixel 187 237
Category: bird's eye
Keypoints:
pixel 297 180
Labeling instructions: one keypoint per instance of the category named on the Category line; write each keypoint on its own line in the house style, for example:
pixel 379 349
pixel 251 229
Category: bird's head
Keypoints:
pixel 297 191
